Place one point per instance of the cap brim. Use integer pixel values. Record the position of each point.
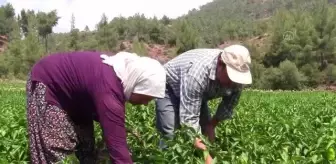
(239, 77)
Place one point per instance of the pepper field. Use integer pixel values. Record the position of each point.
(267, 127)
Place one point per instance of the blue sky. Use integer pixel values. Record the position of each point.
(2, 1)
(88, 12)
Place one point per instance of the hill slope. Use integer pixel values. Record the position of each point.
(293, 43)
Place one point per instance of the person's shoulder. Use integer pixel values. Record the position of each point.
(201, 57)
(203, 54)
(87, 52)
(204, 50)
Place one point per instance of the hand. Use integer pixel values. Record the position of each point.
(199, 144)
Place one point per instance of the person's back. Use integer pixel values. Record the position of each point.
(180, 65)
(72, 78)
(67, 91)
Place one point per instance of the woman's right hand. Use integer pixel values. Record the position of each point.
(200, 145)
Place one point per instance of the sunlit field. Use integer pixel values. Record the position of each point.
(267, 127)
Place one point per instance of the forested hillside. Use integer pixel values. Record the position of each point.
(292, 41)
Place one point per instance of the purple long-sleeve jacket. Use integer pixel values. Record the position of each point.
(81, 84)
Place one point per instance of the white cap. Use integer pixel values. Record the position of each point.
(237, 59)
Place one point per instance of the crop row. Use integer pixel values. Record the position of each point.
(286, 127)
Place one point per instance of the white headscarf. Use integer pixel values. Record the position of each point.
(140, 75)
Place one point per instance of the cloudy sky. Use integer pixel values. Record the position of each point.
(88, 12)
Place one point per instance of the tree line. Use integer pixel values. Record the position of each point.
(298, 51)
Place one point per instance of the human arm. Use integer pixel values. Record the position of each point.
(111, 115)
(225, 108)
(190, 107)
(224, 111)
(190, 102)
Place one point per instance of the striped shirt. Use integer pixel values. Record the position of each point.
(192, 77)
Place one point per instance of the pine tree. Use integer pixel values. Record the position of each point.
(107, 36)
(74, 35)
(187, 37)
(24, 22)
(46, 21)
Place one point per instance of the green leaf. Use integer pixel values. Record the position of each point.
(314, 159)
(331, 154)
